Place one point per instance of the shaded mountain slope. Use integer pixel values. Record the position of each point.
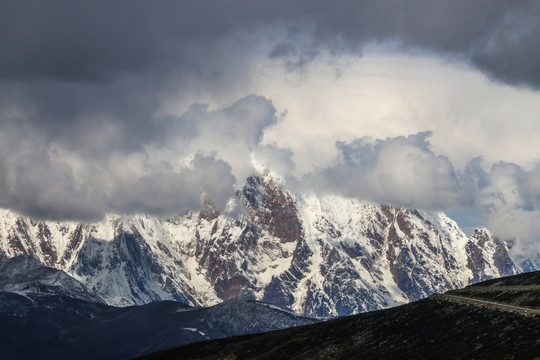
(44, 315)
(27, 276)
(436, 327)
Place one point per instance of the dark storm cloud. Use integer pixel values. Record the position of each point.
(163, 193)
(74, 65)
(70, 68)
(35, 184)
(93, 40)
(73, 113)
(97, 40)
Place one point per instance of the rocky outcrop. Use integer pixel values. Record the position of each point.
(488, 257)
(272, 208)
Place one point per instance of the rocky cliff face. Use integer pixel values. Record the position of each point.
(316, 255)
(487, 257)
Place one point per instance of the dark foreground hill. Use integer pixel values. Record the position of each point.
(449, 326)
(46, 314)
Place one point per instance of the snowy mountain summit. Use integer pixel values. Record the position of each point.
(319, 255)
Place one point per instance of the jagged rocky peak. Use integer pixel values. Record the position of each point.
(488, 256)
(271, 206)
(239, 258)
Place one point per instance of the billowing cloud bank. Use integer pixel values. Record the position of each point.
(406, 172)
(191, 156)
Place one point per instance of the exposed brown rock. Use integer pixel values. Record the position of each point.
(502, 259)
(273, 208)
(475, 255)
(403, 223)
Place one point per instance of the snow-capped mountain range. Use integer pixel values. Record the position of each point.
(320, 255)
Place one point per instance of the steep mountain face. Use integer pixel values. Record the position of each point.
(487, 257)
(46, 314)
(316, 255)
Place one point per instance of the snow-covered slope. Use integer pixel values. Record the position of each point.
(316, 255)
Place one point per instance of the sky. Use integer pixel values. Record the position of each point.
(152, 107)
